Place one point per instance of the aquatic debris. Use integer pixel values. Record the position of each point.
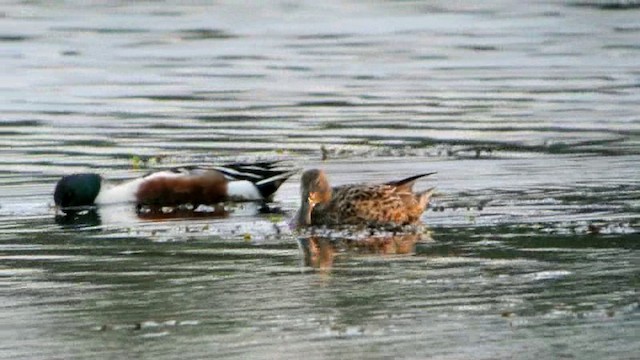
(136, 162)
(366, 148)
(275, 218)
(355, 232)
(147, 324)
(471, 218)
(141, 162)
(589, 228)
(470, 152)
(344, 331)
(324, 153)
(593, 229)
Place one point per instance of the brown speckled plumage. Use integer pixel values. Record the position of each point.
(392, 203)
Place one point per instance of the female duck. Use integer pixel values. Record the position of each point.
(393, 203)
(194, 185)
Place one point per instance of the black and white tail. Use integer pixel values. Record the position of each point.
(245, 178)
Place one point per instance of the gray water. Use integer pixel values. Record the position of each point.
(528, 112)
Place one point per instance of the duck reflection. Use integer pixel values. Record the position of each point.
(171, 213)
(320, 252)
(129, 215)
(77, 219)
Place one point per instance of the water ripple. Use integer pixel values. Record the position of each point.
(527, 113)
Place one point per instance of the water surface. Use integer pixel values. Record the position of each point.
(529, 114)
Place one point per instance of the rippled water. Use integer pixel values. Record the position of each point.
(529, 114)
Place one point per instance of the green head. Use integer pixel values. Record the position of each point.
(77, 190)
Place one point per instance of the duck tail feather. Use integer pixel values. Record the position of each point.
(267, 187)
(407, 183)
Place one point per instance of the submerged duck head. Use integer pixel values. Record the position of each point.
(77, 190)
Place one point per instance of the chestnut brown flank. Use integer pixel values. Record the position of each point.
(208, 188)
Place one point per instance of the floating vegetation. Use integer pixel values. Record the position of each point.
(361, 231)
(143, 162)
(591, 228)
(365, 149)
(147, 324)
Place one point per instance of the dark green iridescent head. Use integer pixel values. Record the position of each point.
(77, 190)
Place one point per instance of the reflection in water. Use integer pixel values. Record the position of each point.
(528, 113)
(154, 213)
(78, 219)
(320, 252)
(129, 214)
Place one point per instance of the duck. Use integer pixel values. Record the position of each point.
(194, 185)
(376, 205)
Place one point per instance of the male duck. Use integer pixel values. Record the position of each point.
(194, 185)
(393, 203)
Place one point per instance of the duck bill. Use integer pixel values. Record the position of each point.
(303, 217)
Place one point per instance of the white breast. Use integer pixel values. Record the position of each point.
(110, 194)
